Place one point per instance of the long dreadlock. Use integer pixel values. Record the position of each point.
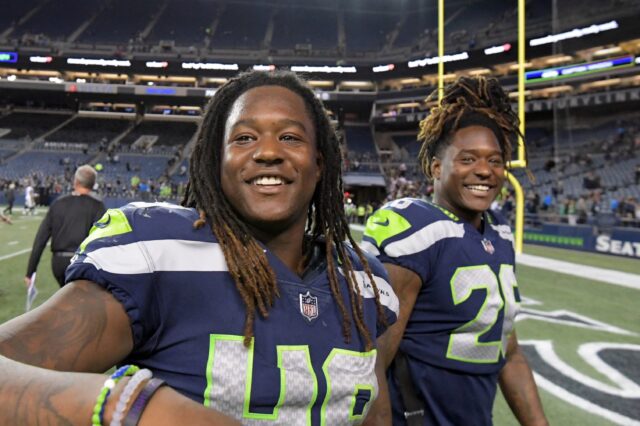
(466, 96)
(247, 262)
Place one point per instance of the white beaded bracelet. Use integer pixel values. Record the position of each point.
(136, 380)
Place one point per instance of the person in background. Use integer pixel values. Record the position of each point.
(29, 199)
(67, 223)
(452, 264)
(252, 299)
(10, 196)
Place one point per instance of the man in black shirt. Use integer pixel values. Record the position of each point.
(67, 222)
(10, 196)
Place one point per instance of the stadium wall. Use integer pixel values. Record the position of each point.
(617, 241)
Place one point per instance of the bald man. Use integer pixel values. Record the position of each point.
(67, 223)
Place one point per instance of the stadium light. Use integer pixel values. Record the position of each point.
(156, 64)
(383, 68)
(608, 51)
(40, 59)
(436, 60)
(264, 67)
(497, 49)
(479, 71)
(558, 59)
(356, 84)
(209, 66)
(575, 33)
(323, 69)
(321, 83)
(99, 62)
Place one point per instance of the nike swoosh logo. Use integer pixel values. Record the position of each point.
(103, 224)
(385, 223)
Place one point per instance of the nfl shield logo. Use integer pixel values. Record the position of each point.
(309, 306)
(488, 247)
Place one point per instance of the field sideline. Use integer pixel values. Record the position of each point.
(582, 335)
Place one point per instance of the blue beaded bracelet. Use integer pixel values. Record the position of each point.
(110, 383)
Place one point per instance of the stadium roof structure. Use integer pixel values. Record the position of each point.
(372, 39)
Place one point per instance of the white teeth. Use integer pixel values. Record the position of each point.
(483, 188)
(268, 180)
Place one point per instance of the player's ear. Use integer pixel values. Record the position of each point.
(435, 167)
(320, 164)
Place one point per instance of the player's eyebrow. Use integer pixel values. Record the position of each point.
(476, 151)
(283, 122)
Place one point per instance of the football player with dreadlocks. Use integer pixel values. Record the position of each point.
(251, 299)
(451, 263)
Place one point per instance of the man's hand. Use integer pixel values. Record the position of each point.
(27, 281)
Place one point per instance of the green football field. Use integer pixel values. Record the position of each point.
(582, 336)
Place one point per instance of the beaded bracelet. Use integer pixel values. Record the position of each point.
(140, 403)
(127, 393)
(110, 383)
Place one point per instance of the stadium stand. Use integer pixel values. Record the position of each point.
(30, 125)
(250, 35)
(184, 25)
(368, 31)
(297, 29)
(89, 130)
(132, 19)
(167, 136)
(54, 20)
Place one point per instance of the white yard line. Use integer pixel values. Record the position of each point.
(12, 243)
(582, 403)
(609, 276)
(17, 253)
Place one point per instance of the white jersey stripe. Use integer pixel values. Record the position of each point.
(159, 255)
(504, 231)
(425, 238)
(183, 255)
(168, 206)
(387, 297)
(369, 248)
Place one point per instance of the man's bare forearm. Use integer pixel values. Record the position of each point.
(35, 396)
(519, 387)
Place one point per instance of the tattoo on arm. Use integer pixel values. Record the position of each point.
(67, 333)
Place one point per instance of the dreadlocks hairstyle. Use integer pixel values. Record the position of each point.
(247, 262)
(476, 100)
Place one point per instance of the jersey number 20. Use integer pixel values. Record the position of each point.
(464, 344)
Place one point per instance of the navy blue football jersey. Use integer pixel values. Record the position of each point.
(457, 333)
(187, 319)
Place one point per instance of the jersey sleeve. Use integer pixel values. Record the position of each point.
(396, 234)
(388, 299)
(113, 257)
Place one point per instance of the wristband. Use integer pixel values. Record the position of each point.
(133, 385)
(140, 403)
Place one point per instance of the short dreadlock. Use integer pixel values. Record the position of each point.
(247, 262)
(466, 96)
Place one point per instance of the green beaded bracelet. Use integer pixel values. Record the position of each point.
(110, 383)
